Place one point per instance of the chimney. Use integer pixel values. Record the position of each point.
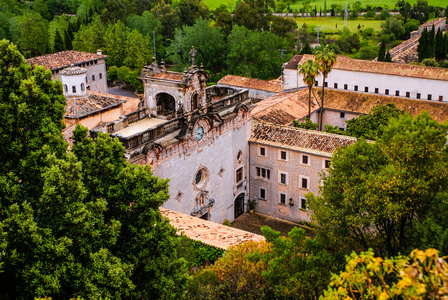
(98, 52)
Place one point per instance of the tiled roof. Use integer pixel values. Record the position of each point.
(207, 232)
(73, 71)
(90, 104)
(432, 22)
(63, 59)
(311, 141)
(170, 75)
(284, 108)
(363, 103)
(252, 83)
(293, 63)
(368, 66)
(129, 104)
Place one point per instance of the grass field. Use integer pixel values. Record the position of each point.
(329, 24)
(213, 4)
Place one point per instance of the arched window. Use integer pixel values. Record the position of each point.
(82, 87)
(65, 88)
(74, 89)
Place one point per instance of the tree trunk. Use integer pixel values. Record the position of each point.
(309, 103)
(322, 107)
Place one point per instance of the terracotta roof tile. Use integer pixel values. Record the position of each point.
(363, 103)
(63, 59)
(284, 108)
(293, 63)
(252, 83)
(207, 232)
(369, 66)
(170, 75)
(90, 104)
(310, 141)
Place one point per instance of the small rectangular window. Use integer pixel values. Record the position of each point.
(316, 83)
(74, 89)
(263, 173)
(377, 90)
(262, 193)
(366, 89)
(93, 77)
(386, 91)
(304, 183)
(419, 96)
(342, 115)
(326, 84)
(262, 151)
(282, 178)
(327, 164)
(305, 160)
(356, 88)
(341, 128)
(239, 175)
(100, 76)
(258, 172)
(268, 174)
(282, 198)
(345, 86)
(429, 97)
(440, 98)
(408, 94)
(397, 93)
(303, 203)
(283, 155)
(335, 85)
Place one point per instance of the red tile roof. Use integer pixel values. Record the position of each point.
(207, 232)
(368, 66)
(170, 75)
(284, 108)
(363, 103)
(92, 103)
(252, 83)
(310, 141)
(63, 59)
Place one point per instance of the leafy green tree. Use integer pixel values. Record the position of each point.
(393, 25)
(247, 16)
(90, 37)
(138, 50)
(190, 11)
(80, 222)
(326, 59)
(382, 51)
(30, 33)
(422, 45)
(405, 9)
(248, 50)
(306, 124)
(371, 126)
(388, 57)
(376, 193)
(306, 49)
(440, 49)
(168, 17)
(309, 70)
(147, 24)
(206, 39)
(115, 43)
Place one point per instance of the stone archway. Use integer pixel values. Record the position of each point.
(239, 205)
(166, 105)
(194, 101)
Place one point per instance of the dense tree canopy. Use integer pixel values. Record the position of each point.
(80, 222)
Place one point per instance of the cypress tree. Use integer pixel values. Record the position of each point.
(382, 52)
(388, 57)
(59, 44)
(68, 40)
(430, 42)
(439, 50)
(306, 49)
(445, 48)
(421, 48)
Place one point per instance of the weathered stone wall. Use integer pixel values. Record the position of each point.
(334, 118)
(253, 93)
(294, 170)
(217, 155)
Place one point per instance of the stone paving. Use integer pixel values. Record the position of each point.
(254, 222)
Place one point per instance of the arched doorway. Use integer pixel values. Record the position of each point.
(165, 104)
(194, 102)
(239, 205)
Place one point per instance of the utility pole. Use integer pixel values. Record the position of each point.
(345, 15)
(318, 30)
(154, 39)
(281, 51)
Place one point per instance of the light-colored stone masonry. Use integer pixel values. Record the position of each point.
(294, 169)
(94, 69)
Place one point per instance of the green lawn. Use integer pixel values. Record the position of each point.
(329, 24)
(213, 4)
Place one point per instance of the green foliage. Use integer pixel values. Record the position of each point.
(422, 275)
(393, 26)
(382, 52)
(334, 129)
(326, 59)
(196, 254)
(371, 126)
(309, 70)
(80, 222)
(375, 193)
(30, 32)
(227, 223)
(306, 124)
(388, 57)
(206, 39)
(168, 17)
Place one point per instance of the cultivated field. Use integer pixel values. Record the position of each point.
(329, 24)
(213, 4)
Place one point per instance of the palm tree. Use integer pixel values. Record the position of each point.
(326, 59)
(309, 70)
